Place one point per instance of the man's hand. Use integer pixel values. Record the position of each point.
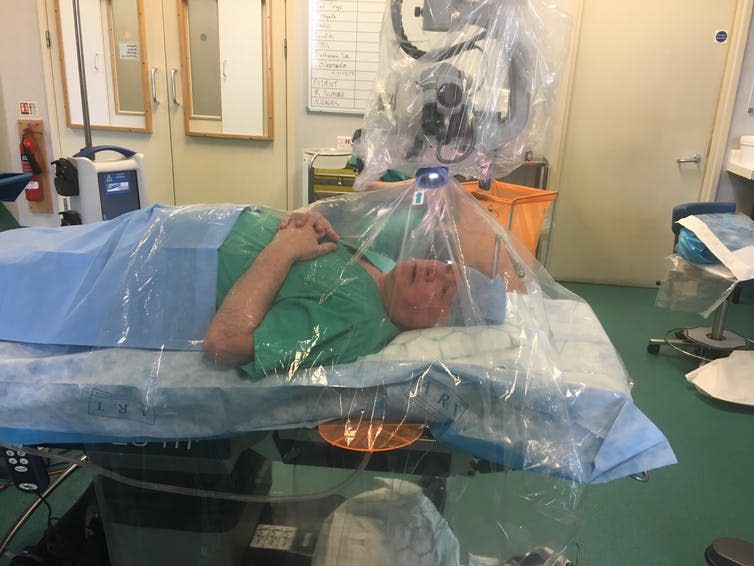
(302, 233)
(321, 225)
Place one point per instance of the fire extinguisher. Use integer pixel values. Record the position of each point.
(29, 164)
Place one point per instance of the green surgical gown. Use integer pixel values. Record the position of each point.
(328, 311)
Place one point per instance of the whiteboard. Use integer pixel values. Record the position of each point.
(344, 41)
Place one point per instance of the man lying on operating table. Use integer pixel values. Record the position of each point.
(290, 294)
(294, 296)
(267, 317)
(514, 379)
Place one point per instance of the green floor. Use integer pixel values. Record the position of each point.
(710, 492)
(668, 520)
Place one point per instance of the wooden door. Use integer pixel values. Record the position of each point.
(645, 92)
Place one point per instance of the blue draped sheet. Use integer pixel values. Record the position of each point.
(75, 286)
(53, 394)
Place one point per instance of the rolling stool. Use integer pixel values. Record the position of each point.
(714, 340)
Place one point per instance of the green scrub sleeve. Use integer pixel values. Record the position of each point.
(297, 334)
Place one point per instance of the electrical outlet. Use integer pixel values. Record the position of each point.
(344, 142)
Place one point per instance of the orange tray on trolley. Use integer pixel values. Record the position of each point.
(522, 210)
(371, 436)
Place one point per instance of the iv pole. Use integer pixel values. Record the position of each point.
(82, 76)
(88, 151)
(69, 216)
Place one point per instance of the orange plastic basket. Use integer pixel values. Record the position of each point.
(522, 210)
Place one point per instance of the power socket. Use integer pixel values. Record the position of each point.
(343, 142)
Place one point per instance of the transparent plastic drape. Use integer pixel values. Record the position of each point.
(454, 425)
(388, 376)
(469, 85)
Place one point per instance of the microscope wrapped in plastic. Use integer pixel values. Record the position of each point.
(473, 90)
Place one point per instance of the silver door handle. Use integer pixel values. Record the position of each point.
(174, 88)
(154, 85)
(696, 158)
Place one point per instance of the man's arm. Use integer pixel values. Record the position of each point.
(229, 338)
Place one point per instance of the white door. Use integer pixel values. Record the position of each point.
(645, 91)
(240, 77)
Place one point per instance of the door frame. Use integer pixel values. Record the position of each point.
(723, 115)
(727, 100)
(45, 37)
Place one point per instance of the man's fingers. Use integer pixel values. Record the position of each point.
(332, 234)
(323, 225)
(326, 248)
(295, 219)
(319, 224)
(324, 230)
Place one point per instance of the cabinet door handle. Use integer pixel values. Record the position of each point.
(153, 84)
(173, 87)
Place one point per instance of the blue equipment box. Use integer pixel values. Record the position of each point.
(11, 185)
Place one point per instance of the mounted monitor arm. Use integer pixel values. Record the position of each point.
(504, 129)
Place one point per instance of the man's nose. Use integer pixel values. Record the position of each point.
(431, 272)
(452, 273)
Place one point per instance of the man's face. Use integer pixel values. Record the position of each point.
(418, 293)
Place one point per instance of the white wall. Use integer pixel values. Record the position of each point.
(731, 187)
(21, 69)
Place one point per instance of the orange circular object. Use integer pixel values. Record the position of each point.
(370, 436)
